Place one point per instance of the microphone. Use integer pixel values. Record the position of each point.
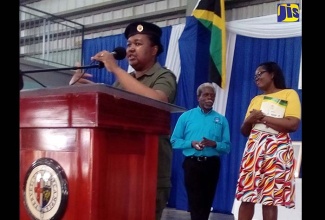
(119, 53)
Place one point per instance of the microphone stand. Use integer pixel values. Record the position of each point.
(99, 65)
(22, 73)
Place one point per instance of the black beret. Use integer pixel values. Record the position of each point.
(142, 27)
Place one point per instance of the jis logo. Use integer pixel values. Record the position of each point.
(288, 12)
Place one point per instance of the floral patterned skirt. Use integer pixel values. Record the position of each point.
(266, 172)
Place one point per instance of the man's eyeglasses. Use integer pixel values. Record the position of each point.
(258, 74)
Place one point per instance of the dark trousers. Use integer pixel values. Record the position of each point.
(161, 200)
(201, 176)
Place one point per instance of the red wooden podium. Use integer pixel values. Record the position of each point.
(89, 152)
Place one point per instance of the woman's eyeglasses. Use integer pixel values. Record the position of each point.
(258, 74)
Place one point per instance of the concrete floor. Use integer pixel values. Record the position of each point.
(173, 214)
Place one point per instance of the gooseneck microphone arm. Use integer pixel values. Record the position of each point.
(99, 65)
(119, 53)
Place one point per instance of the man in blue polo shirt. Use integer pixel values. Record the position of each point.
(204, 136)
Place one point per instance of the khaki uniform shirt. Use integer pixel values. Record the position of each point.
(160, 78)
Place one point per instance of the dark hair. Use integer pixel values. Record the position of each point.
(278, 77)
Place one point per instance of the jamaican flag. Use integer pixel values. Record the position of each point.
(211, 13)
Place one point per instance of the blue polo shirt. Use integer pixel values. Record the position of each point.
(193, 125)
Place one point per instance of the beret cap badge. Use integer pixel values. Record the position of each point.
(139, 28)
(147, 28)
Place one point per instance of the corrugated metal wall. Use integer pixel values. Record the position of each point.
(256, 10)
(44, 37)
(109, 17)
(106, 17)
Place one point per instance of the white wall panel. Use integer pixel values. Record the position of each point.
(63, 5)
(138, 10)
(38, 5)
(117, 31)
(53, 7)
(162, 5)
(59, 6)
(161, 23)
(79, 20)
(80, 3)
(107, 16)
(92, 2)
(98, 18)
(150, 7)
(105, 33)
(174, 3)
(127, 12)
(183, 2)
(117, 14)
(95, 35)
(88, 20)
(164, 23)
(175, 21)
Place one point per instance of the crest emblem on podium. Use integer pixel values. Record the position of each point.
(45, 190)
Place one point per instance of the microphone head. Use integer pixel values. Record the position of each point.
(119, 53)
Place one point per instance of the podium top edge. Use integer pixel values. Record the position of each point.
(101, 88)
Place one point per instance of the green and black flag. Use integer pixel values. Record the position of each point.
(211, 13)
